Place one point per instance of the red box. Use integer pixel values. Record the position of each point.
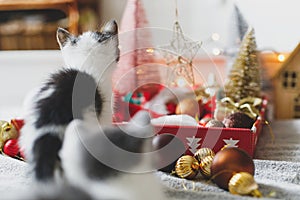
(198, 137)
(216, 138)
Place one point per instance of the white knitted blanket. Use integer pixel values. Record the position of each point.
(277, 170)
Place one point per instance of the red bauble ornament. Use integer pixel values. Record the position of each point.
(11, 148)
(168, 156)
(229, 161)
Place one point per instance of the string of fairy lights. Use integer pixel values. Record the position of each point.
(218, 51)
(175, 57)
(217, 47)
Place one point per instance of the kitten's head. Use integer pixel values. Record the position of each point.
(90, 48)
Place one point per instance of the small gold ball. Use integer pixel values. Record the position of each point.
(7, 132)
(203, 152)
(243, 183)
(205, 165)
(187, 167)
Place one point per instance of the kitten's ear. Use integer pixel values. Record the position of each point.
(110, 27)
(62, 37)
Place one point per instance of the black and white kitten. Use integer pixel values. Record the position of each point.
(81, 90)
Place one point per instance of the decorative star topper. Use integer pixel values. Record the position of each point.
(179, 56)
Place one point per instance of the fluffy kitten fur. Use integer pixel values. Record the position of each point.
(81, 90)
(62, 124)
(96, 170)
(107, 172)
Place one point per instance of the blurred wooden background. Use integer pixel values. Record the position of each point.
(32, 24)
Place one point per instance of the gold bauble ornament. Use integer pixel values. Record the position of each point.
(243, 183)
(205, 165)
(203, 152)
(187, 167)
(189, 106)
(7, 132)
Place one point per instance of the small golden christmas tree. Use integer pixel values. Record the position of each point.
(244, 77)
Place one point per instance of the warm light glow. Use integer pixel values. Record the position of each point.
(280, 57)
(216, 51)
(181, 82)
(215, 36)
(149, 50)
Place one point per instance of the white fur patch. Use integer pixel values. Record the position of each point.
(127, 186)
(98, 60)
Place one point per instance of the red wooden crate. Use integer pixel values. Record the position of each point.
(216, 138)
(198, 137)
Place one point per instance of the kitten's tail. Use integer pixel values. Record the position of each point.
(45, 153)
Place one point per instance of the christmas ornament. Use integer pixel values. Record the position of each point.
(11, 147)
(179, 56)
(203, 152)
(190, 107)
(229, 161)
(244, 77)
(18, 123)
(187, 167)
(238, 120)
(7, 131)
(243, 183)
(175, 150)
(215, 123)
(205, 166)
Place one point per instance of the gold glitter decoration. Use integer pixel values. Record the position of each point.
(244, 78)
